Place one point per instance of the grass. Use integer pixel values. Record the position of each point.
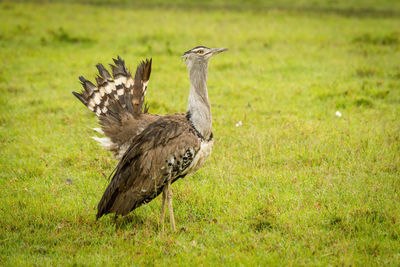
(294, 185)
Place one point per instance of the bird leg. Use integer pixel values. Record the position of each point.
(116, 221)
(164, 202)
(171, 210)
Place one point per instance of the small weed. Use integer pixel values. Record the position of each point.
(43, 41)
(370, 216)
(23, 29)
(397, 76)
(262, 220)
(381, 94)
(389, 39)
(328, 96)
(15, 90)
(36, 102)
(267, 45)
(62, 36)
(341, 104)
(67, 162)
(168, 48)
(366, 72)
(363, 102)
(335, 220)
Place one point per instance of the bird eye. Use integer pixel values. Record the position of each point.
(200, 52)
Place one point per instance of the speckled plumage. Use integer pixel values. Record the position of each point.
(154, 150)
(163, 151)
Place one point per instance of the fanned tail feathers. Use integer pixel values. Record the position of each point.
(142, 77)
(118, 93)
(118, 102)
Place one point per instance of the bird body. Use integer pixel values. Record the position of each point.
(168, 149)
(154, 150)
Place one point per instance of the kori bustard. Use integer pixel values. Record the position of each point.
(154, 150)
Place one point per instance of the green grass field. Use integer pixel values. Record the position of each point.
(294, 185)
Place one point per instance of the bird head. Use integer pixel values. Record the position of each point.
(200, 54)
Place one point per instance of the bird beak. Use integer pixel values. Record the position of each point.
(215, 51)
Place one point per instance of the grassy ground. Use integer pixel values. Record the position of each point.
(294, 185)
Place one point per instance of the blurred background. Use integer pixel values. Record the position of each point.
(306, 103)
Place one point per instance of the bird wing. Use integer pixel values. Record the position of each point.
(118, 102)
(163, 151)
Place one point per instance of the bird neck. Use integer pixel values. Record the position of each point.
(198, 103)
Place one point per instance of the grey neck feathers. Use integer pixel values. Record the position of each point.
(198, 103)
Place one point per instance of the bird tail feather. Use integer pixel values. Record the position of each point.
(118, 101)
(117, 93)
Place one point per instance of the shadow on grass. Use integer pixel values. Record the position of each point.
(136, 221)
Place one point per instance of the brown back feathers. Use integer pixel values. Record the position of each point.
(163, 151)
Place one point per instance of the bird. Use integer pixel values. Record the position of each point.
(154, 151)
